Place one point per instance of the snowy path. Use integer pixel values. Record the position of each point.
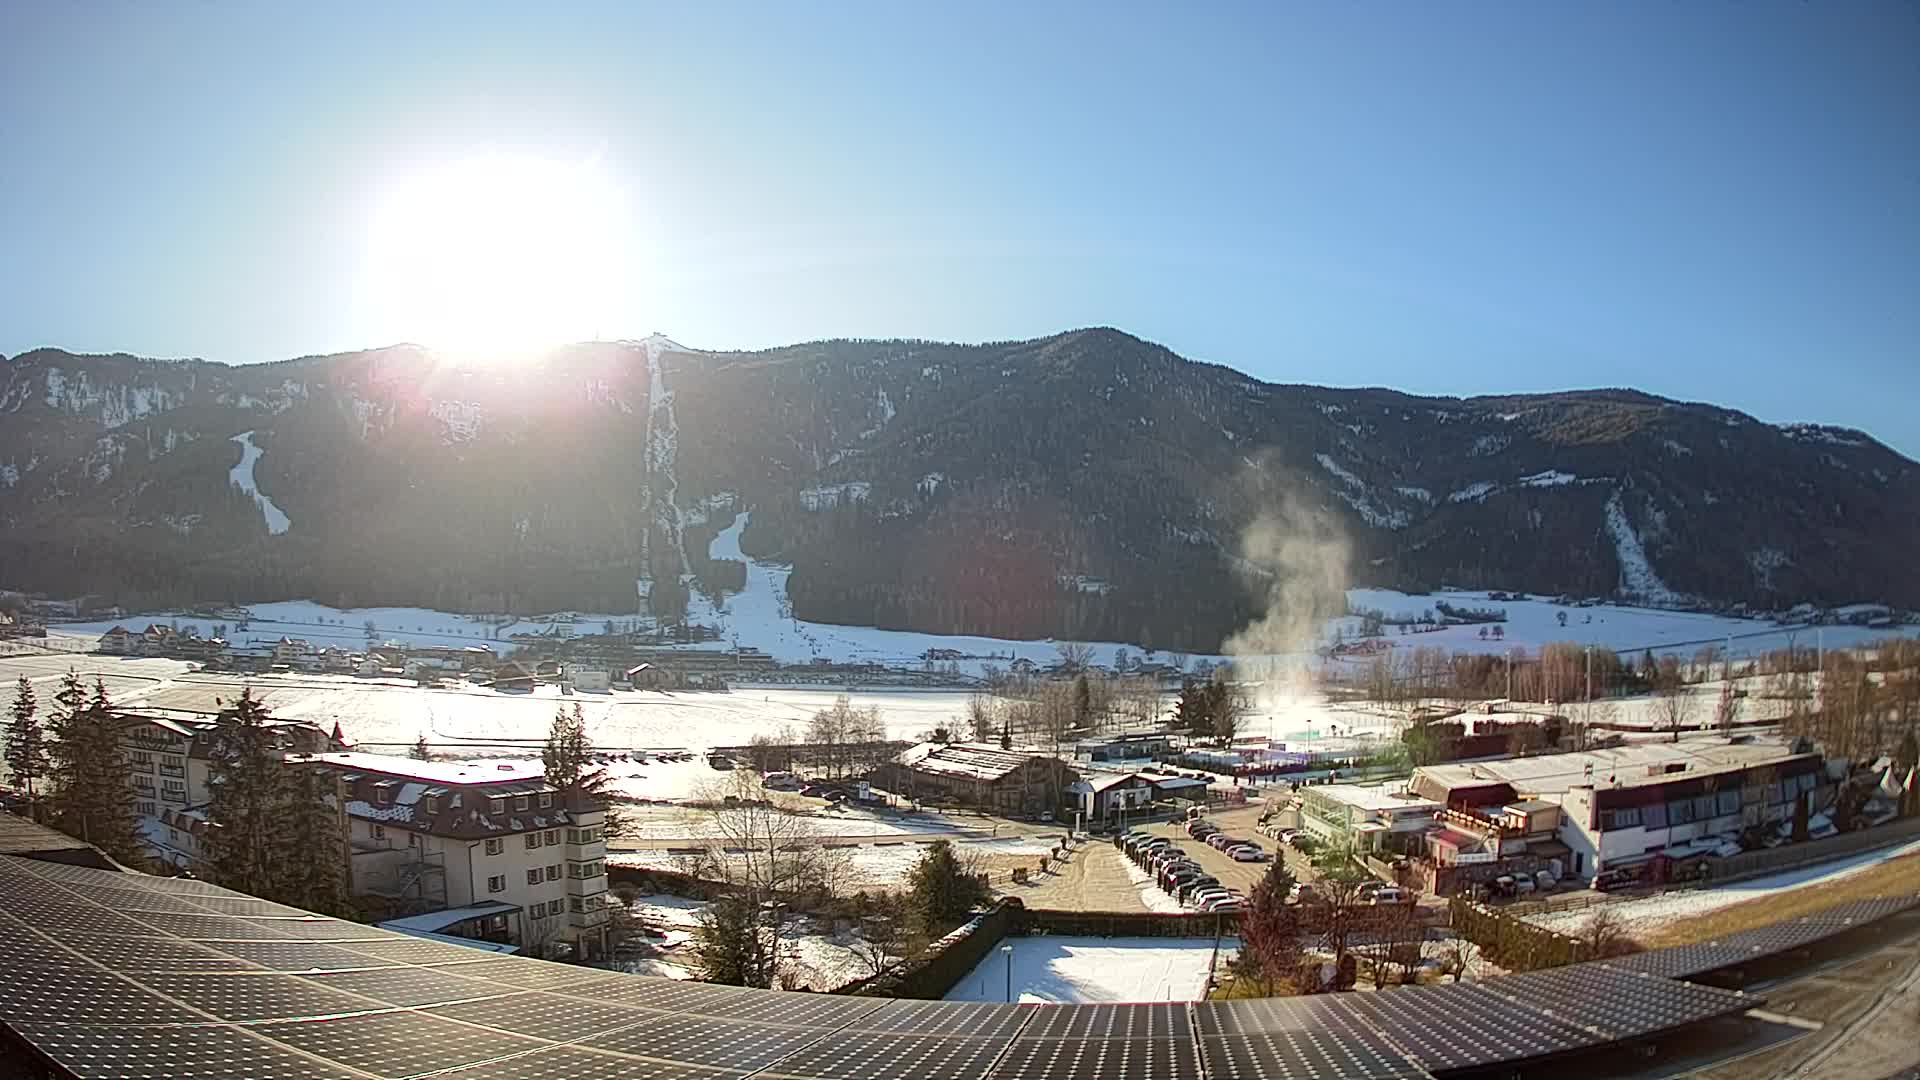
(241, 476)
(1642, 915)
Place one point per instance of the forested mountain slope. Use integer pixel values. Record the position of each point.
(1088, 484)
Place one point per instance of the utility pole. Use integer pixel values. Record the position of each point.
(1587, 712)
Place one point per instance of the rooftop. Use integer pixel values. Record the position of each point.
(437, 772)
(977, 761)
(20, 836)
(1618, 766)
(434, 921)
(1371, 797)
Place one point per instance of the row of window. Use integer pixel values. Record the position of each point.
(1701, 807)
(498, 845)
(534, 839)
(546, 873)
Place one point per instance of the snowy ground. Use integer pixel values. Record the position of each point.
(881, 863)
(1070, 970)
(1150, 894)
(1645, 914)
(822, 956)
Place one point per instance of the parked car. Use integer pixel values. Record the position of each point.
(1247, 853)
(1608, 880)
(1187, 888)
(1198, 898)
(1220, 904)
(1170, 882)
(1392, 894)
(1221, 841)
(1303, 893)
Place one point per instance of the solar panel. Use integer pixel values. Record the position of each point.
(82, 996)
(170, 1053)
(577, 1063)
(1616, 1004)
(407, 986)
(298, 955)
(250, 995)
(146, 953)
(1109, 1059)
(1462, 1025)
(549, 1016)
(1108, 1022)
(1305, 1055)
(397, 1043)
(702, 1040)
(950, 1018)
(1681, 961)
(412, 950)
(880, 1056)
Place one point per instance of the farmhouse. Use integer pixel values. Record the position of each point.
(981, 775)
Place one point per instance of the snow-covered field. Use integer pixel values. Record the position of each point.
(822, 957)
(1532, 623)
(241, 476)
(874, 863)
(1070, 970)
(1645, 914)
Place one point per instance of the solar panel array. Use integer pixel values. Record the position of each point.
(1764, 942)
(131, 976)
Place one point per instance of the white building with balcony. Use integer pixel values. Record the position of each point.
(494, 851)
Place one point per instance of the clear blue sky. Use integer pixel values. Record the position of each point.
(1706, 200)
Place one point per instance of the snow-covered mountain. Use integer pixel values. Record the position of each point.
(1087, 485)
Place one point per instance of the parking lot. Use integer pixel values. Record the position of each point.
(1240, 877)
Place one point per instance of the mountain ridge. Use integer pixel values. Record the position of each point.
(1085, 484)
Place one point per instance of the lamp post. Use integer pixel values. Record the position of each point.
(1007, 951)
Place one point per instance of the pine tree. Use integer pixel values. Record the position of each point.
(939, 891)
(311, 863)
(26, 753)
(243, 765)
(1082, 701)
(420, 751)
(1270, 934)
(569, 767)
(90, 800)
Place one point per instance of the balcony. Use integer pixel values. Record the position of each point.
(140, 767)
(173, 770)
(596, 917)
(178, 798)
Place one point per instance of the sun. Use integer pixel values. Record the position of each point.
(496, 255)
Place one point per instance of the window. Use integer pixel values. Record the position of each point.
(431, 804)
(521, 803)
(591, 869)
(494, 847)
(498, 806)
(146, 808)
(379, 832)
(537, 911)
(553, 872)
(383, 794)
(533, 840)
(497, 883)
(546, 800)
(577, 903)
(553, 836)
(533, 876)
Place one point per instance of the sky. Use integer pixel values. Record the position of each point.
(1707, 200)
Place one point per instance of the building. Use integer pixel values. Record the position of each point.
(981, 775)
(1625, 806)
(587, 675)
(1365, 817)
(118, 642)
(474, 841)
(167, 771)
(1131, 747)
(1106, 798)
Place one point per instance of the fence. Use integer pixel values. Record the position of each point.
(1119, 924)
(1510, 941)
(946, 962)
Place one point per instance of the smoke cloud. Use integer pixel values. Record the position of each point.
(1297, 554)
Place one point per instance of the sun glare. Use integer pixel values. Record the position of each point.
(494, 256)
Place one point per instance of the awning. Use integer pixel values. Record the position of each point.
(439, 920)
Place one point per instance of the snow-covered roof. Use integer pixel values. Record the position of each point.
(976, 761)
(437, 772)
(1371, 797)
(1631, 765)
(439, 920)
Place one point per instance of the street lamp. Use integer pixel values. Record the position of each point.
(1007, 951)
